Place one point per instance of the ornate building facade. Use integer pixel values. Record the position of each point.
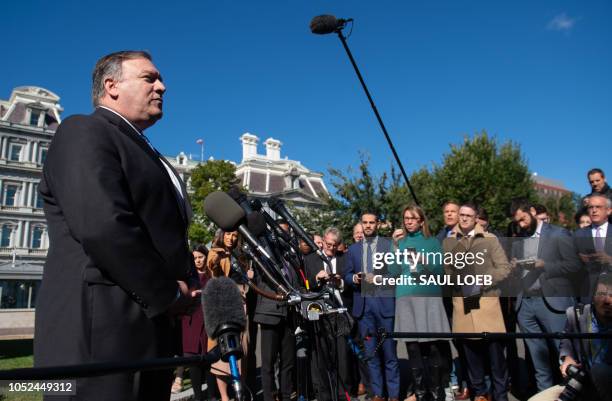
(269, 175)
(28, 120)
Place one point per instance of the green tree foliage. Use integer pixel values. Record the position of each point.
(561, 210)
(478, 170)
(213, 175)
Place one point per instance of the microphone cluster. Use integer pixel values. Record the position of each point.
(273, 251)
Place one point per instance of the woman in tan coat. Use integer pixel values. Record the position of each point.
(218, 263)
(476, 307)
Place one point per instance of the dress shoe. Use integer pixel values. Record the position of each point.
(393, 399)
(378, 398)
(482, 398)
(462, 394)
(361, 389)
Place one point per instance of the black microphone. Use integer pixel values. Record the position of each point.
(278, 206)
(225, 319)
(236, 194)
(324, 24)
(229, 216)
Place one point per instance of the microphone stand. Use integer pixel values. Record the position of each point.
(378, 117)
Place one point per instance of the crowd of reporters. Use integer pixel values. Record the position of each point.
(564, 284)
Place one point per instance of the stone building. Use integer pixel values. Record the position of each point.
(270, 175)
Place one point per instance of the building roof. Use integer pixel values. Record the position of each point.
(270, 175)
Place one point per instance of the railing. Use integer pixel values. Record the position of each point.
(111, 367)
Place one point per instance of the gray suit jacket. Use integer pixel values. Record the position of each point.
(561, 265)
(583, 242)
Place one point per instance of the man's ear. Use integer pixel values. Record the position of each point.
(532, 211)
(110, 87)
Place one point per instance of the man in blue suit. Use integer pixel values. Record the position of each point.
(594, 244)
(373, 308)
(549, 265)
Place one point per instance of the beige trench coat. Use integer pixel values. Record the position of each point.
(489, 316)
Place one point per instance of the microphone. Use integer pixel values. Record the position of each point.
(324, 24)
(240, 198)
(225, 319)
(229, 216)
(278, 206)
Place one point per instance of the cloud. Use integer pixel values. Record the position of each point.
(561, 22)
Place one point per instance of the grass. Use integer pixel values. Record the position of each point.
(16, 354)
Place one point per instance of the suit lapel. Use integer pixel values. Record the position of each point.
(542, 240)
(126, 129)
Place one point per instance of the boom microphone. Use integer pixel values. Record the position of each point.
(324, 24)
(225, 319)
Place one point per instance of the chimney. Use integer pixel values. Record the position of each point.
(249, 145)
(273, 147)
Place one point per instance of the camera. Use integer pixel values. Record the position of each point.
(576, 380)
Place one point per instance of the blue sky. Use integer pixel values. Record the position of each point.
(537, 73)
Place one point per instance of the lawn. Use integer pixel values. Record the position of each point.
(16, 354)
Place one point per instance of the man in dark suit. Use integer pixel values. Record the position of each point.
(117, 214)
(549, 266)
(318, 273)
(594, 244)
(278, 340)
(373, 308)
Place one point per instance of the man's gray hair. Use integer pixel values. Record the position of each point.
(333, 231)
(109, 66)
(608, 200)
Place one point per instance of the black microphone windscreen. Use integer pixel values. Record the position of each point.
(222, 304)
(236, 194)
(256, 223)
(323, 24)
(223, 211)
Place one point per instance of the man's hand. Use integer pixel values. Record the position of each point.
(250, 274)
(585, 257)
(322, 275)
(186, 303)
(601, 258)
(539, 264)
(357, 278)
(567, 361)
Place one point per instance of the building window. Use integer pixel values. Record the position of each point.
(36, 240)
(6, 236)
(38, 199)
(10, 194)
(15, 151)
(34, 117)
(18, 294)
(43, 155)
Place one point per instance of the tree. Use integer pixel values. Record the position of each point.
(478, 170)
(561, 210)
(213, 175)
